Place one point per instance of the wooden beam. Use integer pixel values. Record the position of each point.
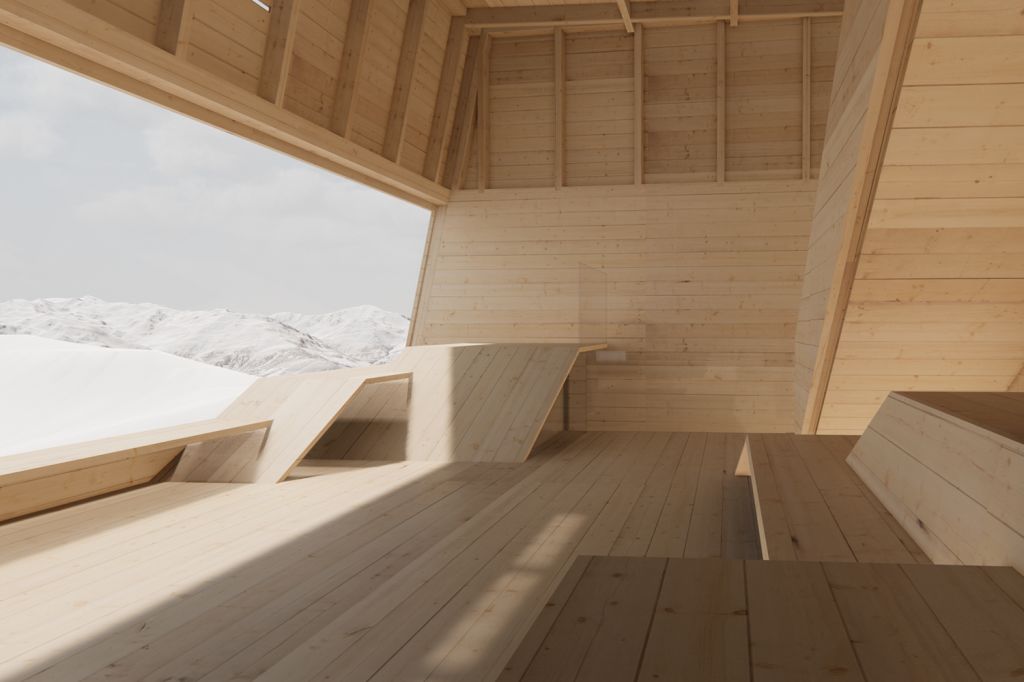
(465, 109)
(559, 108)
(891, 64)
(57, 32)
(277, 56)
(453, 57)
(173, 26)
(483, 115)
(399, 111)
(661, 13)
(348, 73)
(805, 136)
(638, 105)
(720, 102)
(624, 11)
(734, 12)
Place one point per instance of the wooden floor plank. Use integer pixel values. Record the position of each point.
(699, 631)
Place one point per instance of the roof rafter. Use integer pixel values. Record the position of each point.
(662, 13)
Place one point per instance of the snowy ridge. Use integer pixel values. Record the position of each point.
(262, 345)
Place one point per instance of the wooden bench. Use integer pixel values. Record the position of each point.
(811, 506)
(950, 469)
(634, 618)
(36, 481)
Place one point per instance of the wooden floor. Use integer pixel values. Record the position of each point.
(620, 618)
(402, 570)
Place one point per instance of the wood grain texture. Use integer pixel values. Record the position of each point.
(696, 284)
(479, 403)
(938, 297)
(758, 621)
(36, 481)
(810, 507)
(409, 569)
(949, 468)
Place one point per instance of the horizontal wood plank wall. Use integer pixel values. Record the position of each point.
(522, 111)
(854, 75)
(938, 299)
(227, 38)
(703, 282)
(138, 17)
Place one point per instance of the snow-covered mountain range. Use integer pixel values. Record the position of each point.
(262, 345)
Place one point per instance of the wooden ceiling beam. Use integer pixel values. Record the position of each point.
(458, 145)
(398, 113)
(624, 11)
(277, 56)
(661, 13)
(58, 32)
(453, 56)
(348, 72)
(173, 26)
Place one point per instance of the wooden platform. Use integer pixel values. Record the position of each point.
(401, 570)
(302, 407)
(45, 479)
(950, 467)
(627, 618)
(466, 403)
(811, 506)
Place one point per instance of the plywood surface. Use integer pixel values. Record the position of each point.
(648, 619)
(414, 570)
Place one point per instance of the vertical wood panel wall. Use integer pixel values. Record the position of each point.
(703, 282)
(760, 104)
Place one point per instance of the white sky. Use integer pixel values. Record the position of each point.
(106, 195)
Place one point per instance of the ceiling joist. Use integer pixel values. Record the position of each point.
(661, 13)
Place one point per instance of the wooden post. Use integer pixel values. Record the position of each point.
(348, 74)
(453, 57)
(734, 12)
(458, 145)
(559, 108)
(173, 26)
(720, 102)
(638, 105)
(806, 101)
(277, 55)
(483, 115)
(399, 110)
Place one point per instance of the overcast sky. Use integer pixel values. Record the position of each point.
(106, 195)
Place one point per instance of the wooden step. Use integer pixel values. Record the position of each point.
(950, 468)
(811, 506)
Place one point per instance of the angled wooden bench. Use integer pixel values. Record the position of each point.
(950, 468)
(811, 506)
(36, 481)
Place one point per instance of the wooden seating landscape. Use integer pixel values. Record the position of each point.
(44, 479)
(950, 468)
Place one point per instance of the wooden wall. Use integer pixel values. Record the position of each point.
(938, 298)
(702, 286)
(861, 67)
(708, 101)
